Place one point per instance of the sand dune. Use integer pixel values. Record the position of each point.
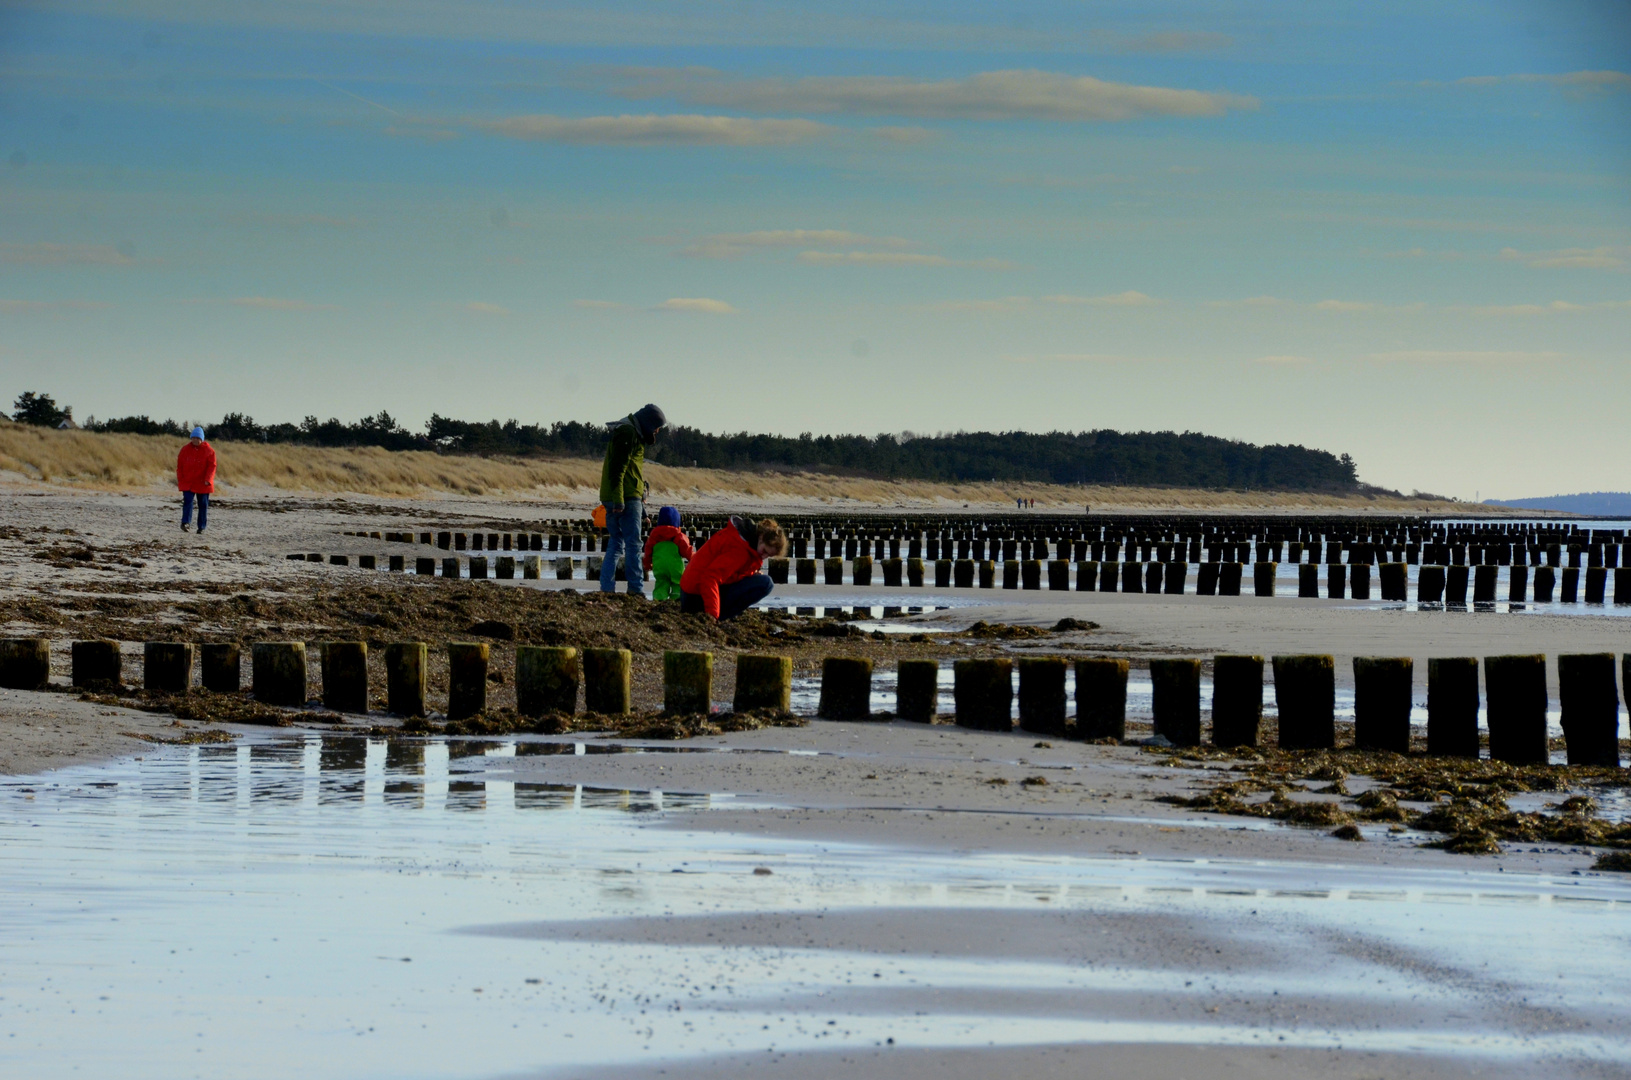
(31, 455)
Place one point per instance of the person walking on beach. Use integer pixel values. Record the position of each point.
(622, 490)
(723, 578)
(195, 476)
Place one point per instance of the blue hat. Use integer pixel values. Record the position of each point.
(198, 433)
(668, 516)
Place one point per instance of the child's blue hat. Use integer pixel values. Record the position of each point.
(198, 433)
(668, 516)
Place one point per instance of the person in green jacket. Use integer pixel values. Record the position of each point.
(622, 490)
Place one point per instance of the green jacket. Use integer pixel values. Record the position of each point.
(622, 477)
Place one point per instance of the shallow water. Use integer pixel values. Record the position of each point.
(338, 907)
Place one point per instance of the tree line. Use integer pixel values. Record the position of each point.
(1137, 459)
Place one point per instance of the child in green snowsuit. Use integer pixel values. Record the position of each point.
(667, 551)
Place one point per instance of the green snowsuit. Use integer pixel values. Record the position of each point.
(666, 551)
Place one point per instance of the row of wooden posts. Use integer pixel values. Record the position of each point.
(1434, 584)
(547, 680)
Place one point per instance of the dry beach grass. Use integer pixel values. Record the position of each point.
(130, 462)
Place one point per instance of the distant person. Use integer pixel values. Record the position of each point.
(667, 550)
(195, 476)
(622, 490)
(723, 577)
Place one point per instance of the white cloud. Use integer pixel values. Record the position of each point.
(990, 95)
(1464, 357)
(1169, 41)
(1130, 298)
(678, 130)
(734, 245)
(697, 304)
(897, 258)
(481, 307)
(1598, 258)
(48, 254)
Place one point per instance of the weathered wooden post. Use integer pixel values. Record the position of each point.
(984, 691)
(1382, 689)
(1305, 692)
(546, 680)
(1237, 700)
(1101, 698)
(763, 682)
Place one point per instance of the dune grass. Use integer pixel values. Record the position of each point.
(32, 455)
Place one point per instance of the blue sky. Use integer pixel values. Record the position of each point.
(1397, 230)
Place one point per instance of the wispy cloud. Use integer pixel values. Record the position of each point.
(1283, 361)
(1597, 81)
(699, 304)
(1464, 357)
(897, 258)
(49, 254)
(655, 130)
(1006, 305)
(735, 245)
(1556, 307)
(1344, 305)
(1166, 41)
(1130, 298)
(482, 307)
(990, 95)
(1598, 258)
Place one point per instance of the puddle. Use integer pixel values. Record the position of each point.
(340, 907)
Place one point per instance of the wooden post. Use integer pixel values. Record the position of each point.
(984, 691)
(1042, 694)
(606, 681)
(466, 678)
(405, 678)
(1382, 690)
(1101, 698)
(917, 690)
(1516, 698)
(1305, 692)
(1237, 700)
(846, 688)
(546, 680)
(345, 676)
(278, 672)
(763, 682)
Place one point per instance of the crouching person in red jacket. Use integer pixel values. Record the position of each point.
(723, 577)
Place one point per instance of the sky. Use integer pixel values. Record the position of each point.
(1399, 230)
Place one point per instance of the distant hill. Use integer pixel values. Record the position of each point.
(1594, 503)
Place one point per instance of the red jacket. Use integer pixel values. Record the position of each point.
(673, 536)
(195, 468)
(726, 557)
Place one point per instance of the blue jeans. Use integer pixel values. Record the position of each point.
(623, 532)
(734, 598)
(203, 498)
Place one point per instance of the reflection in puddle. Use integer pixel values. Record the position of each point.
(292, 907)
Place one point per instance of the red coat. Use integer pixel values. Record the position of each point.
(726, 557)
(195, 468)
(673, 536)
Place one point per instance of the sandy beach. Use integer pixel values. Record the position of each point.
(922, 800)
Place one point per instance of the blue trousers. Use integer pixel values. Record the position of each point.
(623, 534)
(734, 598)
(203, 498)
